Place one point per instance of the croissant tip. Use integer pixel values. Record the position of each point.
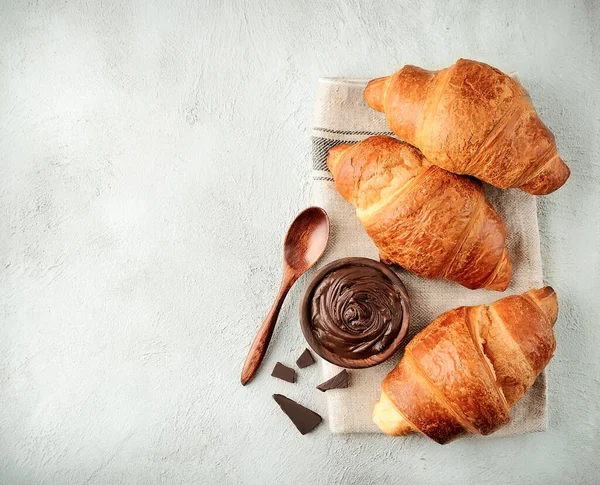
(544, 292)
(552, 178)
(501, 276)
(374, 92)
(334, 156)
(547, 299)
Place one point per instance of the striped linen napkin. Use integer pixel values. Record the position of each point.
(342, 116)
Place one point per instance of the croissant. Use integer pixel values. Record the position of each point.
(471, 119)
(433, 223)
(463, 372)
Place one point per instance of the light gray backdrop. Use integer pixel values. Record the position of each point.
(152, 155)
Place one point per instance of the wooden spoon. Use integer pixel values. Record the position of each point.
(304, 244)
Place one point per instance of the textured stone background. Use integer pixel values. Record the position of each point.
(152, 155)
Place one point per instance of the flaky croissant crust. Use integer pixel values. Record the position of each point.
(463, 372)
(425, 219)
(472, 119)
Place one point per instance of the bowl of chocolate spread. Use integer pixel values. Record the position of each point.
(355, 313)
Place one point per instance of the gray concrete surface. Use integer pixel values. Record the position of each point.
(151, 156)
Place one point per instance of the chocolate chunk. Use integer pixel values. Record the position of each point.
(305, 359)
(339, 381)
(304, 419)
(284, 373)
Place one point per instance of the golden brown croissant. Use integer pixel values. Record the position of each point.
(429, 221)
(463, 372)
(471, 119)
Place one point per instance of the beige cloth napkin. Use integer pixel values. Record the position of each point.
(342, 116)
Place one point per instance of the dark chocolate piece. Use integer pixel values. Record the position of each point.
(305, 359)
(284, 373)
(339, 381)
(303, 418)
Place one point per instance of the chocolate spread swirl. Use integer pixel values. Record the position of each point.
(356, 312)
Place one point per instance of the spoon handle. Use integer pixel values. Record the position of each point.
(263, 337)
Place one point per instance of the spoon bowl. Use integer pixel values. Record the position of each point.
(306, 239)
